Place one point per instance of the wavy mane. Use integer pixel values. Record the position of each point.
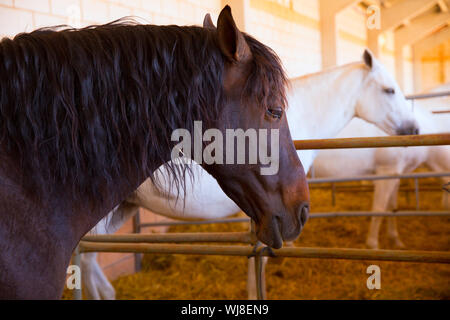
(81, 108)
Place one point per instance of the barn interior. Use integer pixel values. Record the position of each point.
(411, 38)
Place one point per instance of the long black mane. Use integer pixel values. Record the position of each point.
(80, 109)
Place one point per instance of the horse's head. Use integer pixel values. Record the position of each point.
(265, 178)
(382, 102)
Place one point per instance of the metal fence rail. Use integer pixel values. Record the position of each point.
(313, 215)
(379, 214)
(381, 177)
(440, 111)
(200, 222)
(240, 237)
(427, 95)
(374, 142)
(248, 251)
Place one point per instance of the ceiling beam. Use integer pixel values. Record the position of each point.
(339, 5)
(393, 16)
(443, 5)
(401, 11)
(420, 28)
(328, 33)
(432, 41)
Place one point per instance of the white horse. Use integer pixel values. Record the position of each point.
(320, 105)
(335, 163)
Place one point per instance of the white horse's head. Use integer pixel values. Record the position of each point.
(382, 102)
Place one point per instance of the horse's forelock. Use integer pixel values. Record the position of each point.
(267, 79)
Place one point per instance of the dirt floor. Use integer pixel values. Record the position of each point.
(217, 277)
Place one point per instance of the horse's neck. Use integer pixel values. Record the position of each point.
(322, 104)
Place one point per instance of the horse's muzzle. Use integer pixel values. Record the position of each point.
(408, 129)
(290, 233)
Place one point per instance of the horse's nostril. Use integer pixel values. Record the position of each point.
(407, 130)
(304, 214)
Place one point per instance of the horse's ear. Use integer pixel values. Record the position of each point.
(207, 22)
(368, 58)
(231, 41)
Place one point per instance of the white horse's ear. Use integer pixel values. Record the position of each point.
(368, 58)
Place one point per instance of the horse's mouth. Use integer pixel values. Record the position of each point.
(270, 235)
(274, 231)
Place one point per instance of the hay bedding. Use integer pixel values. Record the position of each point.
(217, 277)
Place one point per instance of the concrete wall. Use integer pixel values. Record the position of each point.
(25, 15)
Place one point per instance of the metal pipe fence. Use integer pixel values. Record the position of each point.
(381, 177)
(440, 111)
(316, 181)
(374, 142)
(313, 215)
(427, 95)
(139, 243)
(293, 252)
(240, 237)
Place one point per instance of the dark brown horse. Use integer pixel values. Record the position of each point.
(82, 109)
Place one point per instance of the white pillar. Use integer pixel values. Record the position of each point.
(328, 35)
(372, 41)
(399, 63)
(417, 69)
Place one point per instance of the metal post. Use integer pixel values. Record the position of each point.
(416, 188)
(255, 245)
(258, 276)
(333, 194)
(446, 194)
(259, 268)
(407, 196)
(253, 231)
(137, 229)
(76, 260)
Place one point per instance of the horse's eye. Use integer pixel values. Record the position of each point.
(276, 112)
(389, 90)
